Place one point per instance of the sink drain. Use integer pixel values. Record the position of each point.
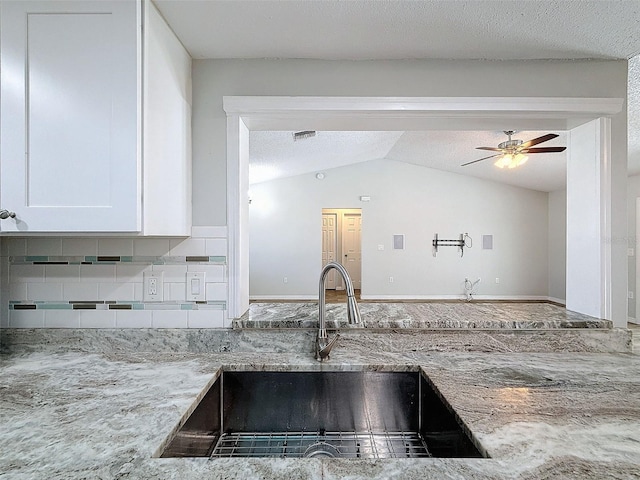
(321, 449)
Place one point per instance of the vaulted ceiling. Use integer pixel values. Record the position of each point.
(276, 155)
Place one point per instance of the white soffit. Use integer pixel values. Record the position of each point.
(417, 113)
(395, 29)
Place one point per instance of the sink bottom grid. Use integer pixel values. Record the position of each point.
(322, 444)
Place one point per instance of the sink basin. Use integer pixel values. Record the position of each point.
(345, 414)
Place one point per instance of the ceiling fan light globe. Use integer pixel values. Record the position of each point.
(498, 163)
(505, 160)
(521, 159)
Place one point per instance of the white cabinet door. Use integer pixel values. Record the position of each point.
(70, 113)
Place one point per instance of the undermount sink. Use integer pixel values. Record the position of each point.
(345, 414)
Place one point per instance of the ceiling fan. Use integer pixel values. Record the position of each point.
(512, 153)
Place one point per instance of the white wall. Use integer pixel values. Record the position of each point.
(212, 79)
(589, 237)
(285, 227)
(633, 193)
(557, 245)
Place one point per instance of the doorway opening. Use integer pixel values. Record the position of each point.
(587, 118)
(342, 243)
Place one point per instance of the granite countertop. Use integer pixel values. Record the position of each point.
(433, 315)
(103, 416)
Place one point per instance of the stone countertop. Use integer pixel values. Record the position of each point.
(426, 315)
(103, 416)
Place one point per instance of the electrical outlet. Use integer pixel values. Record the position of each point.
(153, 285)
(497, 280)
(390, 279)
(380, 247)
(630, 295)
(285, 280)
(196, 290)
(630, 252)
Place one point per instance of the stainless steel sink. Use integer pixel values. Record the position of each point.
(363, 414)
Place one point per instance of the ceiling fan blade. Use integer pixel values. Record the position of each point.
(492, 149)
(480, 159)
(543, 150)
(535, 141)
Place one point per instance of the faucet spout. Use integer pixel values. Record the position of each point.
(323, 345)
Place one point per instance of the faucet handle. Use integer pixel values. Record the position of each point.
(322, 351)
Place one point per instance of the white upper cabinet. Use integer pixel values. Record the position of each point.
(71, 130)
(167, 129)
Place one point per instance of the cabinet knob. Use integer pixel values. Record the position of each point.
(7, 214)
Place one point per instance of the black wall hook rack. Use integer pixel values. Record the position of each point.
(462, 242)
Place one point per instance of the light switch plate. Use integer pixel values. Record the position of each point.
(153, 285)
(196, 287)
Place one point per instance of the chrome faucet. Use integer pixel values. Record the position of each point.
(323, 345)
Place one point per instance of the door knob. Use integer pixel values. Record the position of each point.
(7, 214)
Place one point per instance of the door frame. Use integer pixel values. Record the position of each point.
(245, 113)
(342, 245)
(331, 282)
(339, 213)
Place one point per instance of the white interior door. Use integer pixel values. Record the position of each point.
(329, 244)
(351, 247)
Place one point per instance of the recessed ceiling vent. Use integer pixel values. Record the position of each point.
(304, 134)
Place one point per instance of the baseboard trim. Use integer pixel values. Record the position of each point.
(559, 301)
(492, 298)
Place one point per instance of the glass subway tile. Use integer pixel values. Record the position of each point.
(84, 306)
(24, 307)
(55, 306)
(108, 258)
(36, 258)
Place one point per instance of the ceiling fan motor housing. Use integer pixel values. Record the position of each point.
(510, 144)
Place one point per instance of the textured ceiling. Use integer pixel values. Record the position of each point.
(399, 29)
(276, 155)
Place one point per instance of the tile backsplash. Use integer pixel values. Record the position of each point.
(97, 282)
